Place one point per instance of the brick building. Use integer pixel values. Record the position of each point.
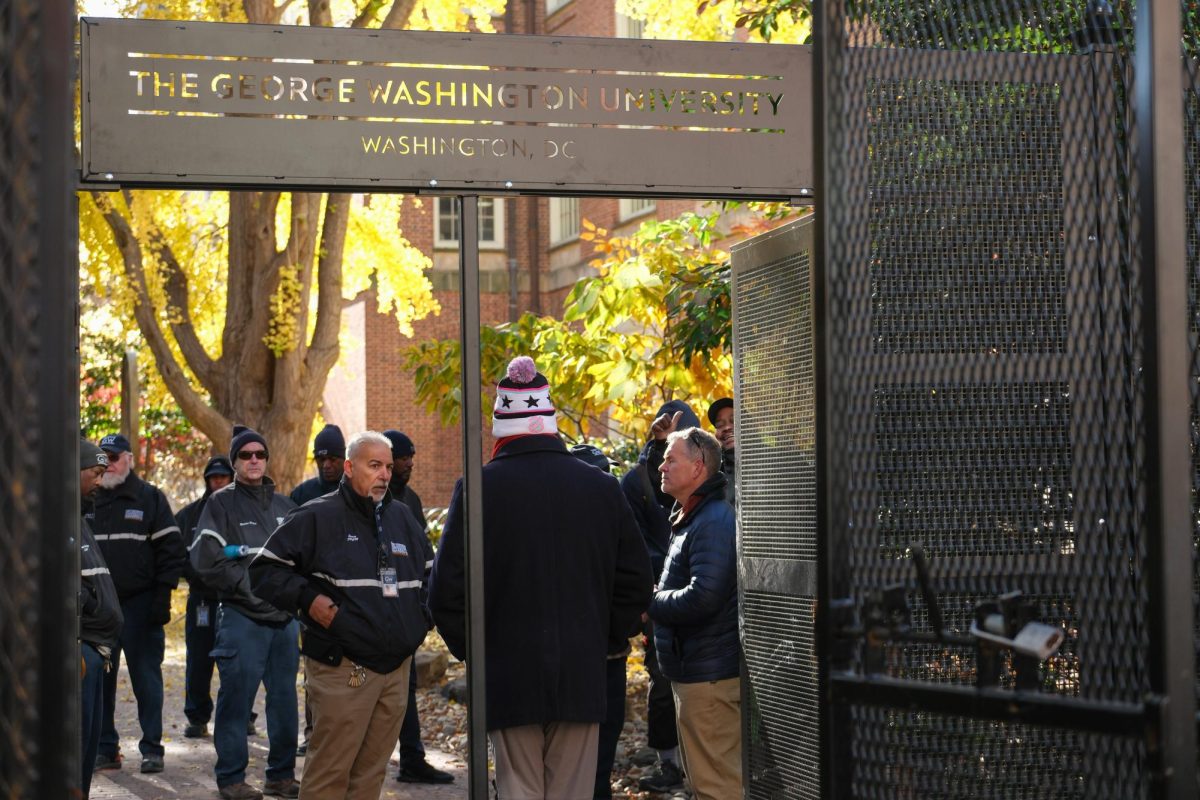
(530, 257)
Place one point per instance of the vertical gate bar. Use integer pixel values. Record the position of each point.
(1160, 173)
(468, 277)
(58, 427)
(828, 49)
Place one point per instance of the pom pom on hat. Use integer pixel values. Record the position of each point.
(522, 370)
(523, 405)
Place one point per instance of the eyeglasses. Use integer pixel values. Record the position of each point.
(247, 455)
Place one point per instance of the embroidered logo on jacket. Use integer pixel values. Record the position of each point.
(350, 537)
(134, 513)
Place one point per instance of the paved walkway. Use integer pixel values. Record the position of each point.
(189, 762)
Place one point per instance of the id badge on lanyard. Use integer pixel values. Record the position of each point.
(387, 577)
(203, 619)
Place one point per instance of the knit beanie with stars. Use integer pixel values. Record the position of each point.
(523, 404)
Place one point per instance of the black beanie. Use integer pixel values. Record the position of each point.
(243, 436)
(402, 446)
(329, 442)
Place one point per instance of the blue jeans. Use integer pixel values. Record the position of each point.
(247, 654)
(143, 645)
(197, 698)
(412, 751)
(611, 727)
(91, 712)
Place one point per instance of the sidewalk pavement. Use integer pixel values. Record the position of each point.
(188, 773)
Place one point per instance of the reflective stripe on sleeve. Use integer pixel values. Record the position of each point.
(164, 532)
(109, 537)
(213, 534)
(94, 571)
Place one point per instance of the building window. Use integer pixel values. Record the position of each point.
(628, 28)
(627, 208)
(491, 222)
(564, 219)
(554, 5)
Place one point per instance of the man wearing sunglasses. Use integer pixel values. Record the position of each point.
(256, 642)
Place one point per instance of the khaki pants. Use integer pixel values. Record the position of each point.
(354, 730)
(555, 761)
(710, 737)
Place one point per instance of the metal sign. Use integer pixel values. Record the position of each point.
(170, 103)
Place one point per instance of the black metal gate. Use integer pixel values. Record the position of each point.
(1001, 415)
(39, 410)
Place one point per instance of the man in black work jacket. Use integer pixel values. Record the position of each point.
(256, 642)
(99, 616)
(140, 541)
(351, 566)
(329, 451)
(200, 629)
(566, 575)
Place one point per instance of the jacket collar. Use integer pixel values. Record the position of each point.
(714, 487)
(364, 506)
(535, 443)
(128, 487)
(262, 494)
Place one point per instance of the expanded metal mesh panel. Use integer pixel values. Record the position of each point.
(19, 538)
(783, 718)
(776, 467)
(1191, 120)
(926, 756)
(777, 503)
(983, 399)
(977, 469)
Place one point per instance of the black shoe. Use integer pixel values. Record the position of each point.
(250, 729)
(152, 764)
(423, 772)
(195, 730)
(302, 750)
(667, 778)
(107, 762)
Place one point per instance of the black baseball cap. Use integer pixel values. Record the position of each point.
(717, 407)
(218, 465)
(590, 454)
(115, 443)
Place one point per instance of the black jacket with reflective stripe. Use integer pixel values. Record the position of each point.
(100, 616)
(137, 534)
(239, 514)
(311, 489)
(188, 519)
(331, 546)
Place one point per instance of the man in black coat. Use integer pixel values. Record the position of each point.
(99, 617)
(413, 766)
(351, 565)
(200, 627)
(137, 534)
(651, 506)
(329, 451)
(565, 577)
(256, 642)
(721, 415)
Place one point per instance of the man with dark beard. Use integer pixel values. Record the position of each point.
(720, 414)
(140, 541)
(329, 451)
(413, 766)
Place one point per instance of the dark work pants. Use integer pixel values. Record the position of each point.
(661, 733)
(610, 729)
(412, 752)
(143, 646)
(197, 698)
(91, 712)
(247, 654)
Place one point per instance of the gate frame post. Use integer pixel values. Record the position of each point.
(1159, 165)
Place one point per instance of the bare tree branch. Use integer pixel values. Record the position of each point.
(202, 415)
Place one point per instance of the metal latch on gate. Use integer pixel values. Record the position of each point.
(1004, 623)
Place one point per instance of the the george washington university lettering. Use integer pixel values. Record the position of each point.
(253, 105)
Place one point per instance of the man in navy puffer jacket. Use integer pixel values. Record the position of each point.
(695, 614)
